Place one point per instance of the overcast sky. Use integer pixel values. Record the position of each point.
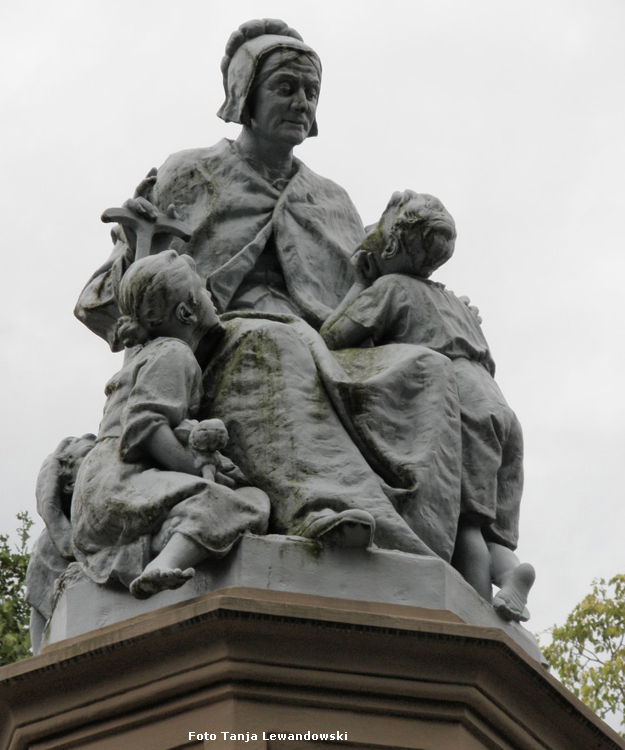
(512, 112)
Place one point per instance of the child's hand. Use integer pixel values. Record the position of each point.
(363, 264)
(184, 429)
(229, 474)
(225, 480)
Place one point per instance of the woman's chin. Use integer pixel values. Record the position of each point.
(293, 133)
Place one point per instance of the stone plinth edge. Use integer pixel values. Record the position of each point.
(291, 564)
(390, 677)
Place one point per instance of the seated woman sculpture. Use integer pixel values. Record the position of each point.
(145, 511)
(359, 441)
(394, 301)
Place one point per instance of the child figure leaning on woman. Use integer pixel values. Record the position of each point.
(154, 497)
(393, 301)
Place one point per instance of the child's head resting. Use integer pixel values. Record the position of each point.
(55, 483)
(160, 289)
(70, 454)
(415, 235)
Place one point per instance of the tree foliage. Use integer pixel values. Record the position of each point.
(14, 612)
(588, 651)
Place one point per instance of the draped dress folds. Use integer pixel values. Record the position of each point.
(125, 506)
(375, 428)
(411, 310)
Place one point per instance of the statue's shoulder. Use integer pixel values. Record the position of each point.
(323, 184)
(188, 177)
(165, 360)
(332, 200)
(193, 159)
(167, 346)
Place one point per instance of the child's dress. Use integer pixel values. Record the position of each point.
(125, 508)
(398, 308)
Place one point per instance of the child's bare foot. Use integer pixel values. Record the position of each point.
(152, 581)
(511, 599)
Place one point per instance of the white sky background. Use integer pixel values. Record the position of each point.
(513, 113)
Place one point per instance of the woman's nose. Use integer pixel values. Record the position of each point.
(299, 100)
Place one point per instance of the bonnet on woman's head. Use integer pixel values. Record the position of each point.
(247, 47)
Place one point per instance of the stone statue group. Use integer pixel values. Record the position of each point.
(285, 371)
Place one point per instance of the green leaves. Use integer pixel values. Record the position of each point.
(588, 651)
(14, 612)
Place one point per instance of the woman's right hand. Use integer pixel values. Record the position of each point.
(147, 229)
(145, 189)
(141, 204)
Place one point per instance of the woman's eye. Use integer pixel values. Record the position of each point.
(284, 89)
(312, 93)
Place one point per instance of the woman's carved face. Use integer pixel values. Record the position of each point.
(283, 105)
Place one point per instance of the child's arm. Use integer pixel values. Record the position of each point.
(343, 333)
(165, 384)
(163, 445)
(338, 331)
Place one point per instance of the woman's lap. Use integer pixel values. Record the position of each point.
(306, 428)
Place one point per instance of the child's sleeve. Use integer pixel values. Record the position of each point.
(166, 391)
(373, 309)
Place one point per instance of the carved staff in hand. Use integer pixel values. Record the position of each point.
(147, 228)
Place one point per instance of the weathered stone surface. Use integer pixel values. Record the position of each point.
(393, 301)
(289, 564)
(248, 661)
(321, 435)
(406, 446)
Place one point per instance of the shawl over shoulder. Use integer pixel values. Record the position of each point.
(232, 211)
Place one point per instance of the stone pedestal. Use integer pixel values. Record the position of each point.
(293, 564)
(259, 664)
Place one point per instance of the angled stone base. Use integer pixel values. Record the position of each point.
(236, 670)
(278, 563)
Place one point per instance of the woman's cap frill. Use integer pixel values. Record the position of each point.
(252, 30)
